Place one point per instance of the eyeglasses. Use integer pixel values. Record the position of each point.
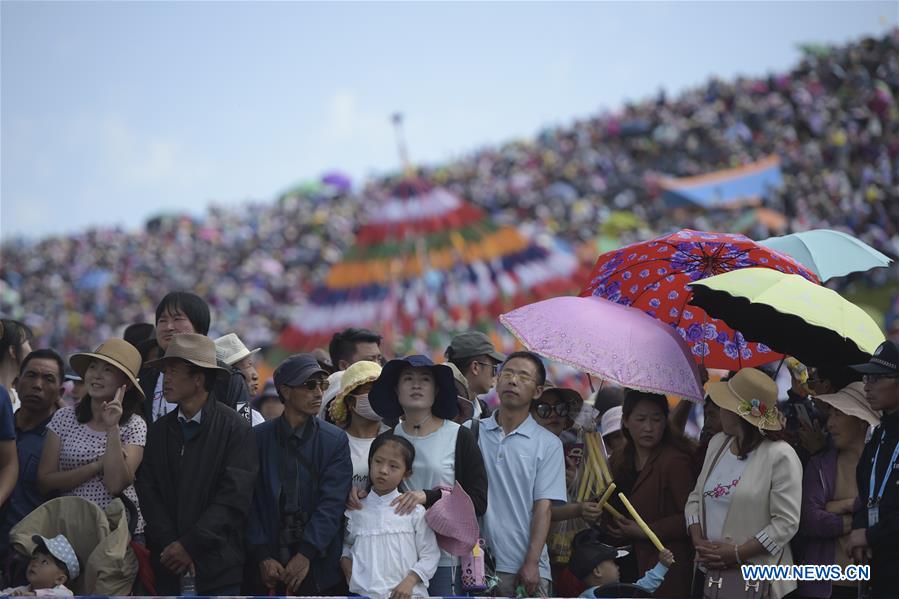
(545, 410)
(873, 378)
(311, 384)
(493, 367)
(508, 375)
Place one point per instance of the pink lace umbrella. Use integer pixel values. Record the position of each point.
(613, 342)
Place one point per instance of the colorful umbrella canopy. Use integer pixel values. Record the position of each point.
(654, 276)
(827, 252)
(608, 340)
(791, 315)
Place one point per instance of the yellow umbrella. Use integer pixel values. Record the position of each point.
(790, 315)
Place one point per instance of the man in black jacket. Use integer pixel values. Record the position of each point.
(876, 524)
(196, 481)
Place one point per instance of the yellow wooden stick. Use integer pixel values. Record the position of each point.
(586, 477)
(652, 536)
(606, 495)
(593, 457)
(603, 463)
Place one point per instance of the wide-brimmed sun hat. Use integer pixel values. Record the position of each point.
(851, 400)
(197, 349)
(383, 397)
(751, 394)
(454, 522)
(568, 395)
(116, 352)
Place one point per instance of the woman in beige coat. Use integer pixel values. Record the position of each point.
(746, 504)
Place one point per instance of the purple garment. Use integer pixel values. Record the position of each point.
(820, 528)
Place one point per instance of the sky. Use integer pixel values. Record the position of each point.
(111, 113)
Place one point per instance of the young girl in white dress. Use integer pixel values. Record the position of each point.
(386, 555)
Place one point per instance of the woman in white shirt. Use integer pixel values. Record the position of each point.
(424, 395)
(746, 503)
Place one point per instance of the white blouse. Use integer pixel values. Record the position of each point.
(385, 547)
(718, 492)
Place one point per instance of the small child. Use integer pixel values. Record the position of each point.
(386, 555)
(52, 565)
(594, 563)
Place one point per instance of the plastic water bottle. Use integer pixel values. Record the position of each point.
(188, 585)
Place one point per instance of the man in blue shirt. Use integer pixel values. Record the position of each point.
(39, 385)
(526, 474)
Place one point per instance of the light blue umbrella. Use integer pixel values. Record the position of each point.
(829, 253)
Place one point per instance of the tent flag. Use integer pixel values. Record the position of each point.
(724, 187)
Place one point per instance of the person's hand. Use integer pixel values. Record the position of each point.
(666, 557)
(176, 558)
(404, 589)
(718, 556)
(406, 502)
(528, 576)
(857, 546)
(22, 593)
(841, 506)
(295, 573)
(590, 511)
(346, 565)
(112, 409)
(272, 573)
(354, 499)
(629, 529)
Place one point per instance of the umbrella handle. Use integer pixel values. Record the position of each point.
(776, 372)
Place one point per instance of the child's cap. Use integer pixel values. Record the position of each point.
(60, 548)
(586, 556)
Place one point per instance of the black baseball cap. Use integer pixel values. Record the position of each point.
(586, 556)
(884, 361)
(296, 370)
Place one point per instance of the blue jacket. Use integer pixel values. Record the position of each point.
(327, 449)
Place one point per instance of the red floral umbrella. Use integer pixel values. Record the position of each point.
(653, 276)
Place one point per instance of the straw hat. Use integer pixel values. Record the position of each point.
(461, 381)
(356, 375)
(851, 400)
(231, 350)
(116, 352)
(751, 394)
(197, 349)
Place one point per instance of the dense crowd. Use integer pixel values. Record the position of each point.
(832, 120)
(161, 465)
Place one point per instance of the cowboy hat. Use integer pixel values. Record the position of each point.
(751, 394)
(197, 349)
(116, 352)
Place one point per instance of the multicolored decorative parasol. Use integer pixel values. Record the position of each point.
(426, 261)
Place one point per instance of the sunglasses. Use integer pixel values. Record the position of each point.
(311, 384)
(545, 410)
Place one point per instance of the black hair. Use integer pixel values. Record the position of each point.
(406, 448)
(343, 344)
(132, 404)
(541, 369)
(138, 332)
(13, 334)
(209, 375)
(624, 461)
(45, 354)
(193, 306)
(42, 550)
(840, 376)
